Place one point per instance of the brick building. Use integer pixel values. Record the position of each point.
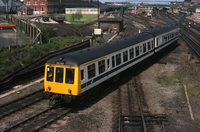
(38, 6)
(54, 6)
(24, 10)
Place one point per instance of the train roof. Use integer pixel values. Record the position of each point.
(162, 30)
(79, 57)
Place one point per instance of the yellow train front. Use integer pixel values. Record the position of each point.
(62, 80)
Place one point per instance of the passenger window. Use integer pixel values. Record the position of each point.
(91, 71)
(108, 63)
(137, 50)
(149, 46)
(101, 66)
(118, 59)
(50, 73)
(113, 61)
(144, 48)
(152, 45)
(82, 75)
(125, 56)
(131, 52)
(157, 42)
(165, 38)
(140, 50)
(59, 75)
(69, 77)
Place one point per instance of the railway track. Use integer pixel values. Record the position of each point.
(16, 105)
(192, 44)
(133, 110)
(30, 113)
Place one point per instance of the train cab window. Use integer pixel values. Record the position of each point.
(50, 73)
(144, 47)
(137, 50)
(149, 46)
(113, 61)
(131, 53)
(82, 75)
(101, 66)
(69, 76)
(108, 63)
(59, 75)
(125, 56)
(91, 71)
(118, 59)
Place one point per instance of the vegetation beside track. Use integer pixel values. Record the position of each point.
(15, 57)
(180, 78)
(2, 20)
(84, 18)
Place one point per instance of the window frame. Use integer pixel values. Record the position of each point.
(101, 66)
(131, 53)
(56, 75)
(137, 51)
(52, 80)
(91, 70)
(82, 79)
(125, 56)
(118, 59)
(71, 69)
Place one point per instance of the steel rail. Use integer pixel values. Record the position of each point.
(30, 118)
(193, 45)
(141, 111)
(21, 103)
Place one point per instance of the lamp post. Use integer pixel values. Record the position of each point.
(98, 13)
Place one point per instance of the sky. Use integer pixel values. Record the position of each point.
(127, 0)
(133, 0)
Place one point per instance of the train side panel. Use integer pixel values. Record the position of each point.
(145, 50)
(165, 39)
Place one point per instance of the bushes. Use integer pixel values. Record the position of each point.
(18, 56)
(47, 33)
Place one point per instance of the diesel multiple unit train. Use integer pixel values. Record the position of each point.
(72, 74)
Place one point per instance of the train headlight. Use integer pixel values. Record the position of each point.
(49, 89)
(69, 90)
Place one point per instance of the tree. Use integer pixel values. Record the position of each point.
(72, 17)
(79, 15)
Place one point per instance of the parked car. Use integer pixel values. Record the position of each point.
(6, 25)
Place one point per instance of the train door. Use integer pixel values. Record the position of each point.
(83, 77)
(108, 64)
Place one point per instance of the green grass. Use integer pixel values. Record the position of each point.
(165, 80)
(20, 55)
(86, 17)
(178, 79)
(194, 93)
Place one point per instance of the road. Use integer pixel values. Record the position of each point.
(8, 37)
